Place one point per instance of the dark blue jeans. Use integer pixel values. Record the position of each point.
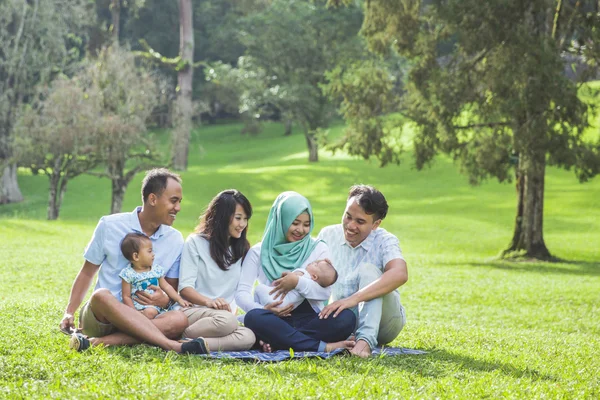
(302, 331)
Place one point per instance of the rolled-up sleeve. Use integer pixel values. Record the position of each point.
(94, 251)
(390, 249)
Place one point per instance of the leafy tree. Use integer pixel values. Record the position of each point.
(289, 46)
(37, 40)
(499, 100)
(56, 136)
(127, 95)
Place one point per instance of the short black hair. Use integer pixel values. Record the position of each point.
(131, 243)
(155, 182)
(370, 199)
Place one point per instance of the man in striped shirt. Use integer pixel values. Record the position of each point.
(370, 268)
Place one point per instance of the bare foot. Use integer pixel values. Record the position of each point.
(344, 344)
(265, 347)
(361, 349)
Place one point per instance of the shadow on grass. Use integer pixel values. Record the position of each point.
(438, 363)
(435, 364)
(562, 267)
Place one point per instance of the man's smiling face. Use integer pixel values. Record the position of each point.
(357, 223)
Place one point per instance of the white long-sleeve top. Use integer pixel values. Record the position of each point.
(199, 271)
(252, 271)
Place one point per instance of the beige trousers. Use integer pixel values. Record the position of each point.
(219, 328)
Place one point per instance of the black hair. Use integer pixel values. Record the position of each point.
(131, 243)
(214, 226)
(369, 199)
(155, 182)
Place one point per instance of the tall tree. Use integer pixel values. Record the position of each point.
(289, 46)
(184, 108)
(127, 95)
(499, 99)
(37, 39)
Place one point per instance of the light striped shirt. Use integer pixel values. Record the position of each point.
(379, 248)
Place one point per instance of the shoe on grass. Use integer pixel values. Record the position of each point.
(195, 346)
(79, 342)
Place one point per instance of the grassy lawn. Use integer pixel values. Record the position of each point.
(492, 329)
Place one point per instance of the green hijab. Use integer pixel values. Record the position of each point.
(276, 253)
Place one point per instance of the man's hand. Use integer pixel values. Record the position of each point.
(337, 307)
(219, 304)
(158, 298)
(67, 324)
(279, 311)
(283, 285)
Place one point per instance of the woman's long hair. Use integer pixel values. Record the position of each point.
(214, 226)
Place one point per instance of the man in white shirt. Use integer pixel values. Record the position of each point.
(370, 267)
(104, 319)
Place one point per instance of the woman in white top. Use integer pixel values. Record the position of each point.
(210, 271)
(286, 246)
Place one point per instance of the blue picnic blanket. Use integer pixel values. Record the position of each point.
(281, 355)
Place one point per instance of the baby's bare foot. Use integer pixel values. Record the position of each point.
(265, 347)
(361, 349)
(344, 344)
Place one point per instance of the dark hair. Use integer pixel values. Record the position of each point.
(214, 226)
(131, 243)
(155, 182)
(369, 199)
(335, 273)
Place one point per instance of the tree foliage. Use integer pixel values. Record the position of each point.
(127, 95)
(487, 85)
(38, 39)
(289, 46)
(56, 136)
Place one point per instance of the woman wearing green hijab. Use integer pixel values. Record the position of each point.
(287, 246)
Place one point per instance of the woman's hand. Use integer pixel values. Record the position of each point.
(219, 304)
(279, 311)
(283, 285)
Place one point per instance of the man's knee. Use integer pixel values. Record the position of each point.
(172, 324)
(101, 297)
(99, 303)
(367, 274)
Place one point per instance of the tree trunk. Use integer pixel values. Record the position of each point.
(313, 147)
(53, 196)
(183, 121)
(115, 13)
(288, 127)
(9, 186)
(528, 237)
(119, 186)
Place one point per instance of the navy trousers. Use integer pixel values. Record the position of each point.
(302, 331)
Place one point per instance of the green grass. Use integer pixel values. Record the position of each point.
(491, 328)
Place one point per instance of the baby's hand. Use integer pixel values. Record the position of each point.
(184, 303)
